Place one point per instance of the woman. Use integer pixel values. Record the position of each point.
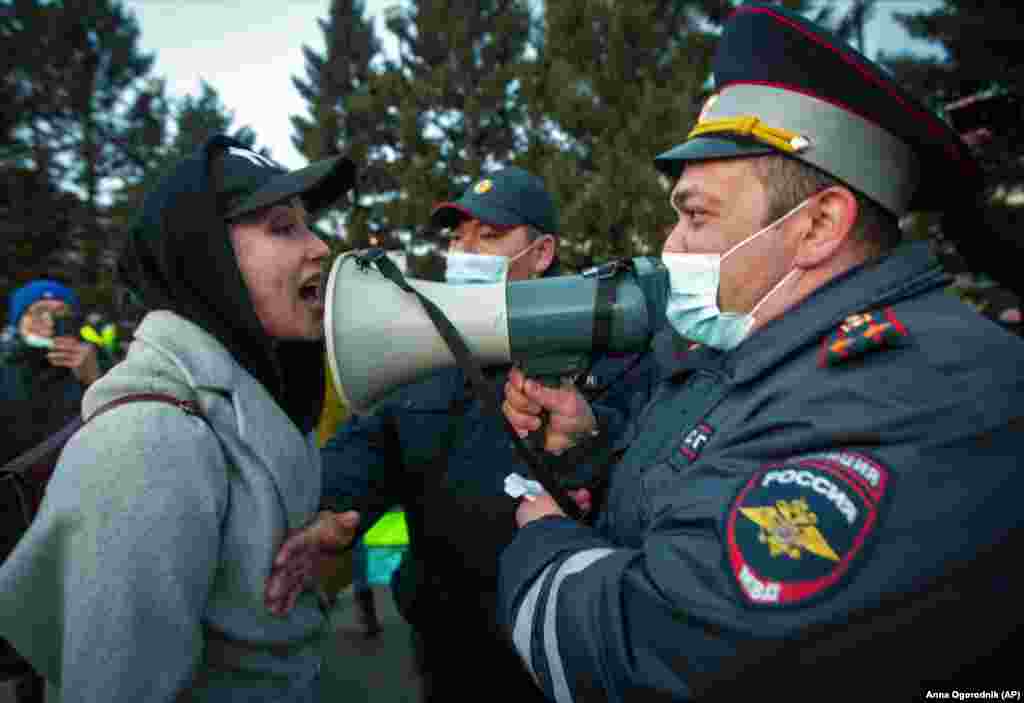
(143, 577)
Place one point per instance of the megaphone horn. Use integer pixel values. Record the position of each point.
(379, 337)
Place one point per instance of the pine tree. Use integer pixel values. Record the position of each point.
(36, 220)
(850, 27)
(332, 79)
(73, 75)
(179, 127)
(103, 62)
(453, 94)
(75, 67)
(982, 41)
(200, 117)
(983, 65)
(615, 84)
(984, 55)
(144, 136)
(339, 118)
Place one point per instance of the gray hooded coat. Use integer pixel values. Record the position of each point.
(157, 533)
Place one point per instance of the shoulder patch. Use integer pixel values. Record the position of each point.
(796, 527)
(694, 441)
(861, 334)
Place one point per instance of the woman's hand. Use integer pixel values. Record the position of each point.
(295, 565)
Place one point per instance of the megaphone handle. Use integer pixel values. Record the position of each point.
(535, 440)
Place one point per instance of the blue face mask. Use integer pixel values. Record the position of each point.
(692, 307)
(463, 268)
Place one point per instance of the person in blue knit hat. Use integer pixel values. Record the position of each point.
(45, 366)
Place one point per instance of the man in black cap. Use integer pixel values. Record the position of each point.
(825, 485)
(436, 450)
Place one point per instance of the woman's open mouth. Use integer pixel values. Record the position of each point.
(311, 292)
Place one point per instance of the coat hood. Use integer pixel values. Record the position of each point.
(179, 257)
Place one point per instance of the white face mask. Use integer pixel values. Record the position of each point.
(692, 308)
(37, 342)
(463, 268)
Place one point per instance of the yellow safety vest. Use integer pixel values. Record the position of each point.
(107, 339)
(334, 411)
(389, 531)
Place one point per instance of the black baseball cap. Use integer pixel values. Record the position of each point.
(507, 198)
(247, 181)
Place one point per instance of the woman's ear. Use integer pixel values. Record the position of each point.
(832, 216)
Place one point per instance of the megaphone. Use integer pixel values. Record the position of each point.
(380, 337)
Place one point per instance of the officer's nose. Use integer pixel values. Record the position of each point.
(467, 239)
(674, 238)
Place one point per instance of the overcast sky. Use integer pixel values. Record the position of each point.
(250, 49)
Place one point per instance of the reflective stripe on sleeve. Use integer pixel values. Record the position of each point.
(523, 630)
(522, 633)
(573, 565)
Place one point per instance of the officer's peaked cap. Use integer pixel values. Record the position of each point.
(785, 85)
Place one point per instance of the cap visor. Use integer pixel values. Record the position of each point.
(448, 215)
(319, 185)
(672, 161)
(451, 214)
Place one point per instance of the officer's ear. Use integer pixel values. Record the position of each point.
(828, 226)
(547, 247)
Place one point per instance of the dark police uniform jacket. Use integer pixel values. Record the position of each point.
(442, 455)
(832, 500)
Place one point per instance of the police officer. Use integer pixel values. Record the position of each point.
(822, 498)
(437, 450)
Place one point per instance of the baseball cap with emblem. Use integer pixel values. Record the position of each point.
(786, 86)
(506, 198)
(247, 181)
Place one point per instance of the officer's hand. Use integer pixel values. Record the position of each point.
(583, 500)
(544, 505)
(294, 567)
(541, 506)
(79, 356)
(570, 416)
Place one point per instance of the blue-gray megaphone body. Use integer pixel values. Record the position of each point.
(380, 337)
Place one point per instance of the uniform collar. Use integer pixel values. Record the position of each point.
(908, 271)
(675, 355)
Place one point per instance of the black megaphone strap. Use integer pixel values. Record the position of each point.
(538, 467)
